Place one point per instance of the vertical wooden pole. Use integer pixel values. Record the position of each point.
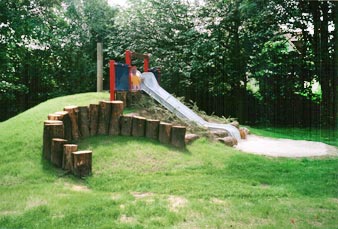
(99, 67)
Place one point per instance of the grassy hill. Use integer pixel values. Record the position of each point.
(139, 183)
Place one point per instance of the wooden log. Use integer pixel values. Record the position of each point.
(84, 121)
(52, 129)
(104, 114)
(67, 161)
(152, 128)
(64, 117)
(126, 124)
(133, 97)
(82, 163)
(178, 136)
(93, 118)
(57, 151)
(54, 117)
(73, 112)
(116, 113)
(138, 126)
(189, 138)
(121, 96)
(164, 133)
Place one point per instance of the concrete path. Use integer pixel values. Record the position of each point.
(285, 147)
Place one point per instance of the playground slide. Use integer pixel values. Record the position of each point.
(152, 88)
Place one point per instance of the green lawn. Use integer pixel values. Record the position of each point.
(138, 183)
(314, 134)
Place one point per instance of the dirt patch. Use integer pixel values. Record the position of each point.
(140, 195)
(4, 213)
(218, 201)
(127, 219)
(176, 202)
(35, 203)
(285, 147)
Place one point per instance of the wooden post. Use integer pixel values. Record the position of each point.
(152, 127)
(138, 126)
(82, 163)
(178, 136)
(84, 121)
(133, 97)
(57, 151)
(66, 123)
(164, 134)
(122, 96)
(67, 162)
(126, 124)
(51, 129)
(73, 115)
(54, 117)
(99, 67)
(104, 114)
(116, 113)
(94, 118)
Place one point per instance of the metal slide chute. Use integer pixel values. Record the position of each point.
(151, 87)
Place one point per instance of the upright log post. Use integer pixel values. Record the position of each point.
(82, 163)
(104, 114)
(64, 117)
(57, 151)
(178, 136)
(126, 124)
(84, 121)
(116, 113)
(94, 118)
(73, 114)
(67, 162)
(52, 129)
(152, 128)
(138, 126)
(54, 117)
(164, 134)
(122, 96)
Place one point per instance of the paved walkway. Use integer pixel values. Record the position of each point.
(285, 147)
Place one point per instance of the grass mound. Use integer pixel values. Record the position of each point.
(139, 183)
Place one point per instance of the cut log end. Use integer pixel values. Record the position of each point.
(82, 163)
(164, 135)
(57, 151)
(178, 136)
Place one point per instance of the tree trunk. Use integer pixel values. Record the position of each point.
(52, 129)
(152, 127)
(84, 121)
(66, 123)
(116, 113)
(138, 126)
(67, 162)
(93, 118)
(178, 136)
(82, 163)
(121, 96)
(73, 112)
(104, 114)
(57, 151)
(126, 124)
(164, 134)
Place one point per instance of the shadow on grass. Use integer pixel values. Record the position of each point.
(120, 141)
